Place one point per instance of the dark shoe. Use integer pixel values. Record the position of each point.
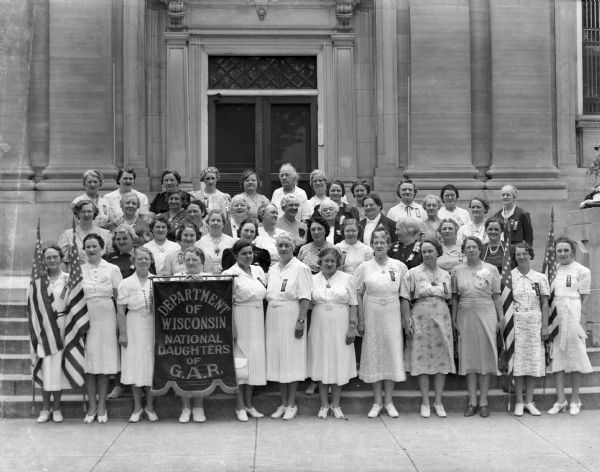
(484, 411)
(471, 410)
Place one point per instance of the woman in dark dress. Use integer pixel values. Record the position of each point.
(518, 219)
(248, 231)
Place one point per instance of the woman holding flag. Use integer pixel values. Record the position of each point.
(571, 287)
(100, 283)
(54, 380)
(530, 297)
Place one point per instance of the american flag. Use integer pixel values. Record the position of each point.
(41, 312)
(550, 266)
(78, 321)
(507, 303)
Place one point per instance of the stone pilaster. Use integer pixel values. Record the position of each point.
(440, 92)
(522, 95)
(345, 138)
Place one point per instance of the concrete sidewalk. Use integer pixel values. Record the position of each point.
(408, 443)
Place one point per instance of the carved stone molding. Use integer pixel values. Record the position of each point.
(175, 14)
(344, 10)
(261, 7)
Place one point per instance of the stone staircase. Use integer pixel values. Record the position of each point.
(16, 386)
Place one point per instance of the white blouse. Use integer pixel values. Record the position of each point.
(293, 282)
(100, 280)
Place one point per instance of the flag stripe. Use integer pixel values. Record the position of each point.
(507, 301)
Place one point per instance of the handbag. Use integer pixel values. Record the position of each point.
(240, 362)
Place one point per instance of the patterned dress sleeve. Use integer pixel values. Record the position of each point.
(407, 286)
(359, 278)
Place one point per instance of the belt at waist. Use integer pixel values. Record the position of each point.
(383, 300)
(88, 299)
(329, 306)
(256, 304)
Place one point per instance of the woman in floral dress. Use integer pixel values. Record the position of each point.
(530, 317)
(427, 323)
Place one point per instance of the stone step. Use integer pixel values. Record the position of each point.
(14, 363)
(12, 310)
(220, 405)
(15, 343)
(14, 326)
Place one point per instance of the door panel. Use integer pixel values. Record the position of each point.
(262, 133)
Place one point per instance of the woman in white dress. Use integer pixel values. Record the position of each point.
(52, 374)
(249, 291)
(476, 226)
(288, 293)
(379, 321)
(530, 301)
(571, 287)
(135, 317)
(268, 232)
(212, 197)
(449, 195)
(160, 245)
(354, 252)
(100, 283)
(215, 242)
(331, 358)
(92, 182)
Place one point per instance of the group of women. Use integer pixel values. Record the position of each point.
(421, 291)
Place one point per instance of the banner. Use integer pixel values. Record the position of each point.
(193, 348)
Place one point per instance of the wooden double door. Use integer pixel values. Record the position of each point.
(261, 133)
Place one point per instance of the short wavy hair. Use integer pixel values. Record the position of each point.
(334, 251)
(210, 170)
(93, 173)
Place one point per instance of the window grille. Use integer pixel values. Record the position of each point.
(591, 55)
(262, 72)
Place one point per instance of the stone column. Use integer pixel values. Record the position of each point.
(16, 25)
(522, 97)
(177, 104)
(481, 149)
(388, 168)
(440, 100)
(134, 91)
(344, 126)
(38, 131)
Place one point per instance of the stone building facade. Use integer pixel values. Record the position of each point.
(478, 93)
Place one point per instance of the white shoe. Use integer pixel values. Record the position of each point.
(391, 410)
(337, 413)
(425, 411)
(254, 413)
(185, 416)
(558, 407)
(57, 416)
(519, 409)
(323, 412)
(531, 408)
(375, 411)
(115, 393)
(152, 416)
(290, 412)
(439, 410)
(44, 416)
(575, 408)
(279, 412)
(241, 415)
(198, 415)
(136, 416)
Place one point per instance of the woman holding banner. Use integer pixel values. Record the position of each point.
(331, 358)
(136, 333)
(288, 293)
(100, 283)
(194, 263)
(249, 291)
